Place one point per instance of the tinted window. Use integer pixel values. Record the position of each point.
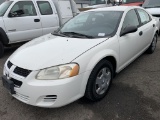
(26, 6)
(45, 7)
(131, 19)
(143, 16)
(95, 24)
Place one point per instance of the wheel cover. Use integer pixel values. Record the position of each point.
(154, 43)
(103, 80)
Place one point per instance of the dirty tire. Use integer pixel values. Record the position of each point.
(152, 47)
(1, 49)
(99, 81)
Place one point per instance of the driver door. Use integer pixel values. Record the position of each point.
(23, 27)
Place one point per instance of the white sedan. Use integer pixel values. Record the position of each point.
(81, 58)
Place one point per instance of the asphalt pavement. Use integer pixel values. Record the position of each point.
(134, 95)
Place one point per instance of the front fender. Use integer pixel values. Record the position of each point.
(88, 60)
(101, 55)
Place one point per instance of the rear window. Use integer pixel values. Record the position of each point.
(45, 8)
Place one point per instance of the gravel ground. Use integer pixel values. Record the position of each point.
(134, 95)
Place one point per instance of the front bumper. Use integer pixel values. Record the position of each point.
(49, 93)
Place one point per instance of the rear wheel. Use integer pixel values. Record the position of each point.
(1, 49)
(152, 47)
(99, 81)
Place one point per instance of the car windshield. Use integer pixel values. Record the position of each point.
(92, 24)
(151, 3)
(4, 6)
(131, 1)
(95, 2)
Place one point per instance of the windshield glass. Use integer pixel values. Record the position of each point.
(94, 24)
(4, 6)
(151, 3)
(131, 1)
(96, 2)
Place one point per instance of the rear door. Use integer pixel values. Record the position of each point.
(48, 15)
(147, 27)
(23, 27)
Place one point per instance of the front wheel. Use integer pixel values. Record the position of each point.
(1, 49)
(152, 47)
(99, 81)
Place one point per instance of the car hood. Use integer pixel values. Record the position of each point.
(50, 50)
(153, 11)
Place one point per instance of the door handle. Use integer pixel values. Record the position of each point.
(140, 33)
(153, 25)
(13, 30)
(36, 20)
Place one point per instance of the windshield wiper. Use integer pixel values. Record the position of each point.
(58, 34)
(77, 34)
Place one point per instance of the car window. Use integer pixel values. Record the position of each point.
(131, 1)
(45, 7)
(144, 17)
(151, 3)
(26, 6)
(96, 2)
(4, 6)
(131, 19)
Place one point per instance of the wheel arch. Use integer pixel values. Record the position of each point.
(3, 37)
(109, 55)
(157, 32)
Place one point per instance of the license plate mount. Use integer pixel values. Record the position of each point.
(8, 84)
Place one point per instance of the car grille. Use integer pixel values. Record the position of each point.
(16, 82)
(18, 70)
(9, 64)
(50, 98)
(21, 71)
(22, 97)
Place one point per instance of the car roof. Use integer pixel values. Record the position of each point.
(114, 8)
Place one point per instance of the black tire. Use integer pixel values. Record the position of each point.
(152, 47)
(1, 49)
(91, 91)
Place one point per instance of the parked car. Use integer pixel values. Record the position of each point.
(81, 58)
(108, 3)
(153, 7)
(24, 20)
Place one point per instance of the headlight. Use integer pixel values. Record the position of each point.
(58, 72)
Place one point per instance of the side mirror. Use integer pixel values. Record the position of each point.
(16, 13)
(129, 29)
